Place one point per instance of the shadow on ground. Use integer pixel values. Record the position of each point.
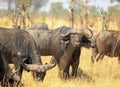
(84, 76)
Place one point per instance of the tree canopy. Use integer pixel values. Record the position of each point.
(57, 9)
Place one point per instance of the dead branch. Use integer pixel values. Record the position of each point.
(72, 12)
(102, 14)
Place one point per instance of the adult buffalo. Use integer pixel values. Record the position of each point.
(106, 42)
(18, 47)
(63, 44)
(40, 25)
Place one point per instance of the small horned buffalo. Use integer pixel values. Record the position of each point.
(19, 48)
(64, 45)
(106, 42)
(40, 25)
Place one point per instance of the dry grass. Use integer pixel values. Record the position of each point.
(104, 74)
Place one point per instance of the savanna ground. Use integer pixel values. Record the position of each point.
(104, 74)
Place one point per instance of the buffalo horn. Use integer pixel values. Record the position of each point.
(72, 31)
(38, 68)
(91, 33)
(66, 34)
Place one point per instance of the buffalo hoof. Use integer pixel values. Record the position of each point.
(64, 76)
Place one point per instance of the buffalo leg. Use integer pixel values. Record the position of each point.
(19, 69)
(94, 54)
(64, 73)
(63, 70)
(75, 68)
(3, 69)
(8, 76)
(19, 73)
(119, 60)
(75, 62)
(100, 57)
(18, 66)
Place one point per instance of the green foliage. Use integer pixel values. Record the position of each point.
(79, 7)
(37, 4)
(21, 13)
(93, 11)
(56, 9)
(114, 11)
(3, 12)
(23, 4)
(43, 15)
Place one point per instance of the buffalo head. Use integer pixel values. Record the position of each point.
(76, 37)
(39, 71)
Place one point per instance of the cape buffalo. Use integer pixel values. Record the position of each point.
(40, 25)
(106, 42)
(64, 44)
(18, 47)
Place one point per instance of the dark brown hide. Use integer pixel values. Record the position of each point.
(63, 44)
(105, 43)
(17, 45)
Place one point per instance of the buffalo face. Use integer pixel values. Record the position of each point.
(85, 42)
(77, 37)
(39, 71)
(39, 76)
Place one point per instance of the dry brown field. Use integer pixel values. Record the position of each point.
(104, 74)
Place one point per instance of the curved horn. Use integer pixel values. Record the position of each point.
(66, 34)
(63, 35)
(38, 68)
(91, 33)
(49, 66)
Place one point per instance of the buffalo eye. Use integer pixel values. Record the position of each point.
(66, 38)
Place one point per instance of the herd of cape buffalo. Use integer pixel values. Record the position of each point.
(24, 48)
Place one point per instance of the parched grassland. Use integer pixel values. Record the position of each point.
(104, 74)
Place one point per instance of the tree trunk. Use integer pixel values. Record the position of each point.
(72, 13)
